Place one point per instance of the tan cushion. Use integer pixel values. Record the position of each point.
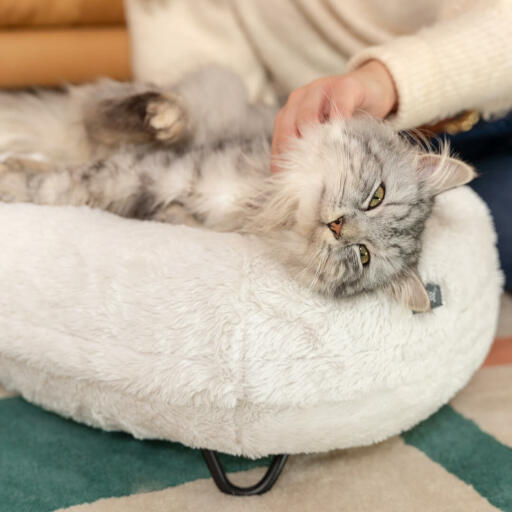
(53, 56)
(19, 13)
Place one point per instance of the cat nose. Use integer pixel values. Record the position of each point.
(335, 227)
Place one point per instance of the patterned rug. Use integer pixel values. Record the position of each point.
(460, 459)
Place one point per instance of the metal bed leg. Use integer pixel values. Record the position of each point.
(224, 485)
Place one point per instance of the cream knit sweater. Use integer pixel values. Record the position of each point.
(445, 56)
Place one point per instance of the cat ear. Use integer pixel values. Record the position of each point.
(410, 291)
(441, 172)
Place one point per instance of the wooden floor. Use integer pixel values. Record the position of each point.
(501, 352)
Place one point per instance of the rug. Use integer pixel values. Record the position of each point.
(460, 459)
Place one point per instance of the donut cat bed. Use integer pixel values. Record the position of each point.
(189, 335)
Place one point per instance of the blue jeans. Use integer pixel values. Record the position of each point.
(488, 146)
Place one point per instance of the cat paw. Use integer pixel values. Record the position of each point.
(166, 117)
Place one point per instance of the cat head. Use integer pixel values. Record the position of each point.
(350, 206)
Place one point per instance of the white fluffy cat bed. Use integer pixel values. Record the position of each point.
(189, 335)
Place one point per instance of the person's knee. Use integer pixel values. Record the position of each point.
(495, 187)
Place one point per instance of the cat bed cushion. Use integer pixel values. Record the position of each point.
(189, 335)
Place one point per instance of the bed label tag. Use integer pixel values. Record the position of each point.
(434, 295)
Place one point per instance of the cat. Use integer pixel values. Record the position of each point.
(345, 215)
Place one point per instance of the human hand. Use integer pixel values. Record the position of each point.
(369, 88)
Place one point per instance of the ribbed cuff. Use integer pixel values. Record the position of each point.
(455, 65)
(418, 78)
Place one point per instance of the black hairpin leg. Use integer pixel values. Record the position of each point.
(224, 485)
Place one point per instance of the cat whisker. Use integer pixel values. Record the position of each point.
(321, 258)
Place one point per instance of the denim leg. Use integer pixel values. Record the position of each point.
(488, 146)
(494, 185)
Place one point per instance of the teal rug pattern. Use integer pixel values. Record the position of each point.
(48, 462)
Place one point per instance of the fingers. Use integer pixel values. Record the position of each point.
(322, 99)
(311, 108)
(304, 106)
(345, 97)
(285, 127)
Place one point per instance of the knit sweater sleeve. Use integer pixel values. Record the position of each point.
(462, 63)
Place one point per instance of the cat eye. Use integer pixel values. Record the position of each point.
(377, 197)
(364, 254)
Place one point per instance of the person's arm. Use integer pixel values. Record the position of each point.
(460, 64)
(369, 88)
(455, 65)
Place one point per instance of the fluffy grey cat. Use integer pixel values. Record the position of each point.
(345, 215)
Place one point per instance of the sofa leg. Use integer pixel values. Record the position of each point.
(224, 485)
